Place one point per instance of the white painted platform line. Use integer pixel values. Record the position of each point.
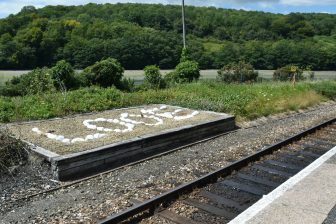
(279, 191)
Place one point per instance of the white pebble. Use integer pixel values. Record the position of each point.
(87, 122)
(66, 141)
(124, 115)
(77, 140)
(91, 126)
(60, 138)
(100, 120)
(35, 130)
(163, 107)
(195, 113)
(51, 136)
(89, 137)
(100, 128)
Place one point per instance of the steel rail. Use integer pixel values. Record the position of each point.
(165, 198)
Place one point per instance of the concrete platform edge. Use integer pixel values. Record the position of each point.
(268, 199)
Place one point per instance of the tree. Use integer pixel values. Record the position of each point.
(63, 75)
(105, 73)
(187, 71)
(153, 78)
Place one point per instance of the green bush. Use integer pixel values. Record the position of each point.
(187, 71)
(63, 75)
(35, 82)
(153, 78)
(287, 73)
(105, 73)
(237, 72)
(128, 84)
(171, 79)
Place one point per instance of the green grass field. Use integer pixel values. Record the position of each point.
(246, 101)
(138, 76)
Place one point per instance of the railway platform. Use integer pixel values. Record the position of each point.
(308, 197)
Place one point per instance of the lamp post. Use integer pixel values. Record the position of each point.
(184, 26)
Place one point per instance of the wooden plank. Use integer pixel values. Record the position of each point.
(273, 171)
(210, 208)
(245, 188)
(284, 165)
(330, 139)
(299, 157)
(324, 148)
(310, 154)
(258, 180)
(168, 214)
(171, 216)
(322, 141)
(223, 201)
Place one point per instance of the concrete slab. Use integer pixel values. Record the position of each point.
(308, 197)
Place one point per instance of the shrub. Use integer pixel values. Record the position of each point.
(128, 84)
(153, 78)
(187, 71)
(287, 73)
(39, 81)
(105, 73)
(35, 82)
(63, 75)
(237, 72)
(171, 79)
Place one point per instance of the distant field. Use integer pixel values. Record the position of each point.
(137, 75)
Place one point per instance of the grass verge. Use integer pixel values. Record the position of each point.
(244, 101)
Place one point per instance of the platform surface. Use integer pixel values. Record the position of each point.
(309, 197)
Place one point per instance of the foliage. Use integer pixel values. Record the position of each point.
(105, 73)
(185, 56)
(187, 71)
(128, 85)
(327, 89)
(171, 78)
(153, 78)
(37, 81)
(237, 72)
(63, 75)
(244, 101)
(288, 73)
(144, 34)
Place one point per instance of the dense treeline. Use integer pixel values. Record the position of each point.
(138, 35)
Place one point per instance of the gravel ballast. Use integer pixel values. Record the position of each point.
(94, 199)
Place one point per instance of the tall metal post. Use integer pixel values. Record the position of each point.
(184, 26)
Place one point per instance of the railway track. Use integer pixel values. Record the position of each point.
(220, 196)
